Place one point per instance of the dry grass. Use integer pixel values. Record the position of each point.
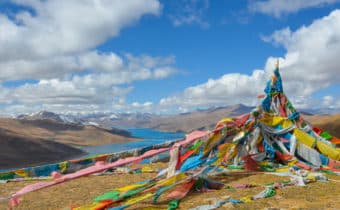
(317, 195)
(329, 123)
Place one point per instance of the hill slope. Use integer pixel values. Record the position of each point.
(20, 151)
(72, 134)
(197, 120)
(329, 123)
(30, 142)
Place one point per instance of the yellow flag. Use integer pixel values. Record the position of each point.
(212, 141)
(129, 187)
(172, 180)
(21, 173)
(304, 137)
(327, 150)
(282, 169)
(276, 120)
(87, 207)
(137, 199)
(63, 166)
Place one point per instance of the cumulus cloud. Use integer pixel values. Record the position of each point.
(99, 86)
(310, 64)
(59, 66)
(55, 37)
(278, 8)
(228, 89)
(328, 101)
(60, 27)
(54, 42)
(337, 104)
(141, 107)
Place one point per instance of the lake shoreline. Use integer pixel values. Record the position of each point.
(159, 137)
(148, 137)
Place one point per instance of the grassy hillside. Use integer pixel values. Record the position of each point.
(329, 123)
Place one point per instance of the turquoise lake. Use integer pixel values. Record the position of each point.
(148, 137)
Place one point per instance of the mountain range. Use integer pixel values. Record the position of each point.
(201, 119)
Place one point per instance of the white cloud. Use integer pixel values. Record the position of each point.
(100, 87)
(278, 8)
(54, 43)
(328, 101)
(60, 36)
(310, 64)
(60, 66)
(61, 27)
(189, 12)
(228, 89)
(337, 104)
(142, 106)
(14, 110)
(332, 102)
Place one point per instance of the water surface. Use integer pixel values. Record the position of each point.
(148, 137)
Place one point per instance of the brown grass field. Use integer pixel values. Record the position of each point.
(318, 195)
(329, 123)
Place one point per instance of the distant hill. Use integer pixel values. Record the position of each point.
(197, 120)
(37, 141)
(323, 111)
(184, 122)
(329, 123)
(206, 119)
(52, 116)
(19, 151)
(122, 120)
(42, 115)
(69, 133)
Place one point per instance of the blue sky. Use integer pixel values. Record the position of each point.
(164, 56)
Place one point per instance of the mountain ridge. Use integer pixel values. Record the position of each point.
(183, 122)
